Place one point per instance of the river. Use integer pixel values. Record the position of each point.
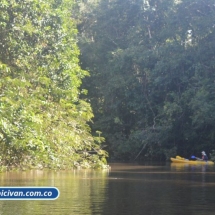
(125, 189)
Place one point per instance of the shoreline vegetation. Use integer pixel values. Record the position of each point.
(44, 122)
(40, 167)
(152, 75)
(83, 81)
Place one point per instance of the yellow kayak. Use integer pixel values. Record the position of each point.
(179, 159)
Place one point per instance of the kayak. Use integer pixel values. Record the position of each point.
(179, 159)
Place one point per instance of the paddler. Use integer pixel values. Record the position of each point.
(204, 156)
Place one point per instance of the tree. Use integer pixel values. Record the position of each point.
(43, 120)
(151, 83)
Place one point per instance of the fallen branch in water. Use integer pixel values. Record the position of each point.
(144, 146)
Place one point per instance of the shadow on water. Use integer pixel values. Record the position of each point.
(125, 189)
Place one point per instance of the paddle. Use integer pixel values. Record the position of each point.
(195, 157)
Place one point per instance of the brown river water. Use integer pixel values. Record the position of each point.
(125, 189)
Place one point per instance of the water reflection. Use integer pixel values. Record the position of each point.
(81, 192)
(124, 190)
(190, 167)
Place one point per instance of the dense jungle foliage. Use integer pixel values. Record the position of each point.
(43, 120)
(152, 83)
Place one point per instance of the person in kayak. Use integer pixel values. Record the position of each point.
(204, 156)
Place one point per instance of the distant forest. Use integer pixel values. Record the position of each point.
(152, 75)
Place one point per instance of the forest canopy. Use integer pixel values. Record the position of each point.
(143, 82)
(152, 83)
